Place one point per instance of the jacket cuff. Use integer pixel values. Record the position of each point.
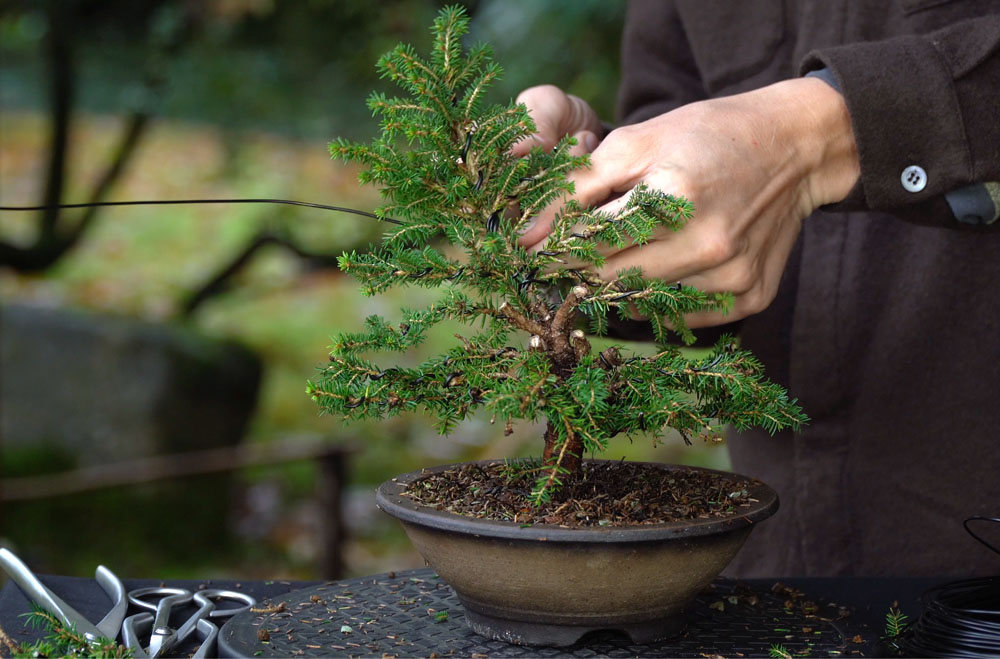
(978, 203)
(911, 147)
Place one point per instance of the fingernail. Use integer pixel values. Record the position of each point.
(527, 226)
(590, 141)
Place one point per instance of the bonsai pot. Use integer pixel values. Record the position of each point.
(549, 585)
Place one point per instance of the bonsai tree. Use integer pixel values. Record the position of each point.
(459, 200)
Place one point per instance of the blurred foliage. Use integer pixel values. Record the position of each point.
(296, 67)
(247, 107)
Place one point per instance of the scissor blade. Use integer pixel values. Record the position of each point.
(111, 624)
(162, 641)
(44, 597)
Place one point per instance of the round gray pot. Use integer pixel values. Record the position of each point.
(547, 585)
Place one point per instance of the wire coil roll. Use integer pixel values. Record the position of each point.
(959, 619)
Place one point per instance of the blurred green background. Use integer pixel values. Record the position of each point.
(238, 99)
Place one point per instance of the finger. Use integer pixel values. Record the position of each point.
(534, 233)
(612, 173)
(612, 207)
(526, 144)
(761, 261)
(547, 105)
(762, 291)
(602, 183)
(760, 295)
(556, 114)
(537, 230)
(752, 302)
(708, 319)
(671, 257)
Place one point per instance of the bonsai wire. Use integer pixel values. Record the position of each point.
(960, 619)
(165, 202)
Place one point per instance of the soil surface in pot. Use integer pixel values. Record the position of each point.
(607, 494)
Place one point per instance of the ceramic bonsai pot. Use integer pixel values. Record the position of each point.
(549, 585)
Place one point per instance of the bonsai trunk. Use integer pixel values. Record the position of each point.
(572, 452)
(564, 346)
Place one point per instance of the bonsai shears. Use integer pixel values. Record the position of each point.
(162, 637)
(108, 627)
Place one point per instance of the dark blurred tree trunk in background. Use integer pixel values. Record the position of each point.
(58, 233)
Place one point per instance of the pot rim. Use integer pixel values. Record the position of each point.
(390, 499)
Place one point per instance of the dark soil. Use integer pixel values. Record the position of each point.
(608, 494)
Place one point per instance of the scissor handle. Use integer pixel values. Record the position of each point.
(163, 636)
(208, 595)
(174, 595)
(209, 634)
(134, 628)
(44, 597)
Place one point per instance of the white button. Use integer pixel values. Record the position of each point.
(914, 178)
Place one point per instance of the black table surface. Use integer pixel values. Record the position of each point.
(413, 613)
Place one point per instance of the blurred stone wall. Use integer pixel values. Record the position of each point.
(105, 388)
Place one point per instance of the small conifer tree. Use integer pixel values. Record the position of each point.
(446, 175)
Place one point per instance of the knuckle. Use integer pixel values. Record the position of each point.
(620, 135)
(741, 280)
(582, 116)
(742, 275)
(540, 94)
(755, 300)
(715, 248)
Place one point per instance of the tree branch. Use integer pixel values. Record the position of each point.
(521, 321)
(219, 283)
(60, 50)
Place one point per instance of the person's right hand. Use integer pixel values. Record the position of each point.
(557, 114)
(753, 165)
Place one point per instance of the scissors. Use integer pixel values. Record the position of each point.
(108, 626)
(162, 637)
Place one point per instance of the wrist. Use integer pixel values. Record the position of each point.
(820, 126)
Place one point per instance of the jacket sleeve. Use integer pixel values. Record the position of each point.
(929, 101)
(658, 69)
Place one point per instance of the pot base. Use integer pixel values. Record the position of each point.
(520, 632)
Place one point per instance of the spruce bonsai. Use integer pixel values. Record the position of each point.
(445, 171)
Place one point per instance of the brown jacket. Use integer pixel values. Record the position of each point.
(887, 323)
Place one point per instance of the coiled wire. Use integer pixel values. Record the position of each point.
(959, 619)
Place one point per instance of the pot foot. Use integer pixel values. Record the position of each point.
(533, 633)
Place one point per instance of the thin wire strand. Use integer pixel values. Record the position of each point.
(981, 518)
(170, 202)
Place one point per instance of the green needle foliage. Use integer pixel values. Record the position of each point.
(445, 171)
(896, 626)
(63, 641)
(895, 622)
(778, 651)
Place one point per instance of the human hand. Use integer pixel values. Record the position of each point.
(754, 166)
(557, 114)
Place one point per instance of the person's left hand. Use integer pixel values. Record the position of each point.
(754, 166)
